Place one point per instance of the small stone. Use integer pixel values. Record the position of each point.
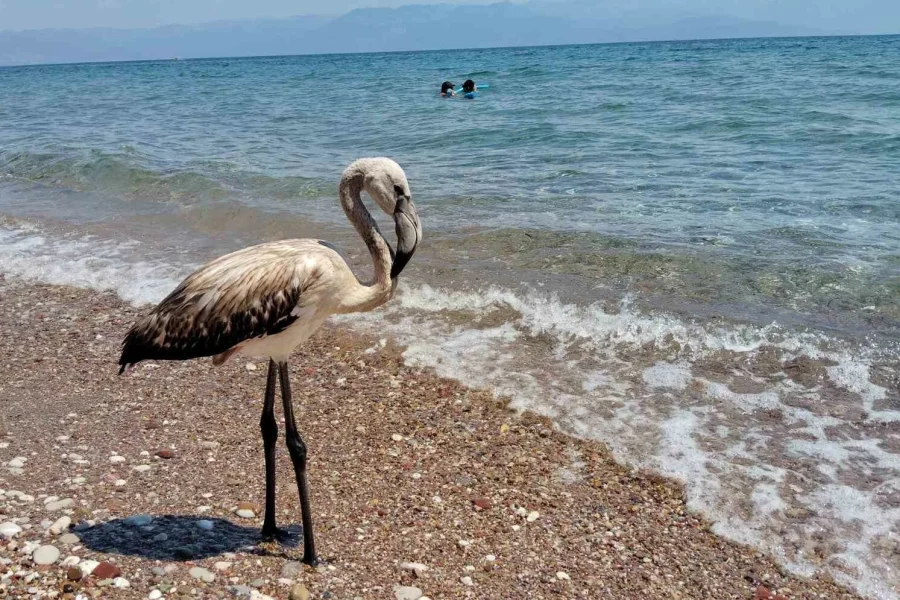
(119, 482)
(121, 582)
(60, 525)
(417, 568)
(74, 574)
(138, 520)
(404, 592)
(143, 469)
(205, 525)
(397, 437)
(105, 570)
(482, 503)
(10, 530)
(533, 516)
(466, 580)
(160, 537)
(158, 571)
(563, 576)
(291, 569)
(88, 566)
(464, 543)
(241, 590)
(250, 367)
(117, 459)
(245, 510)
(299, 592)
(257, 583)
(71, 561)
(201, 574)
(222, 565)
(154, 595)
(16, 463)
(165, 453)
(59, 505)
(45, 555)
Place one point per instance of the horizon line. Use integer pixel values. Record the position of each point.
(485, 48)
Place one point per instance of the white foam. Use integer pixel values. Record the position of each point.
(87, 262)
(667, 375)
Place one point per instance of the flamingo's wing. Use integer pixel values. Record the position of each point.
(248, 294)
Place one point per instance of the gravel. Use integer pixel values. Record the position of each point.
(615, 532)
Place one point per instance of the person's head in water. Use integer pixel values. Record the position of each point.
(447, 88)
(468, 86)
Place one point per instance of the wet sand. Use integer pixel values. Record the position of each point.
(404, 467)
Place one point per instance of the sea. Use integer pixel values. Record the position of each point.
(689, 251)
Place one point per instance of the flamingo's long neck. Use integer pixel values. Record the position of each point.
(367, 296)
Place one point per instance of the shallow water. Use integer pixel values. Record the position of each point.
(688, 250)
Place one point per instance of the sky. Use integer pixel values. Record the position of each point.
(77, 14)
(862, 16)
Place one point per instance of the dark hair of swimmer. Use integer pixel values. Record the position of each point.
(469, 86)
(447, 86)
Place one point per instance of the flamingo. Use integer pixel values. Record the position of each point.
(265, 300)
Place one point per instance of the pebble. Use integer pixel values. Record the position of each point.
(120, 482)
(245, 510)
(562, 576)
(117, 459)
(205, 525)
(61, 524)
(139, 520)
(241, 590)
(121, 582)
(201, 574)
(71, 561)
(482, 503)
(533, 516)
(158, 571)
(16, 463)
(105, 570)
(59, 505)
(165, 453)
(143, 469)
(299, 592)
(417, 568)
(87, 566)
(466, 580)
(69, 539)
(404, 592)
(291, 569)
(258, 583)
(250, 367)
(74, 574)
(160, 537)
(397, 437)
(222, 565)
(45, 555)
(154, 595)
(10, 530)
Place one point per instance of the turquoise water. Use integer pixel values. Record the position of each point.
(642, 241)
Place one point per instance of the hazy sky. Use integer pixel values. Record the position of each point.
(864, 16)
(40, 14)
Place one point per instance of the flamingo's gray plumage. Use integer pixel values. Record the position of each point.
(265, 300)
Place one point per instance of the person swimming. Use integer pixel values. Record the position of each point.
(469, 87)
(447, 89)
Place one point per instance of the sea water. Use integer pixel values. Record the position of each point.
(687, 250)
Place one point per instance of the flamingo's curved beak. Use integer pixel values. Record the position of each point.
(409, 233)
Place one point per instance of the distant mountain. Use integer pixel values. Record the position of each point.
(416, 27)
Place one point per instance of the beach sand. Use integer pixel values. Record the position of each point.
(405, 467)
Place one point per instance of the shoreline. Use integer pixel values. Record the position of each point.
(405, 467)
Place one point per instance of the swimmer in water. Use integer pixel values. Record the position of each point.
(469, 87)
(447, 89)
